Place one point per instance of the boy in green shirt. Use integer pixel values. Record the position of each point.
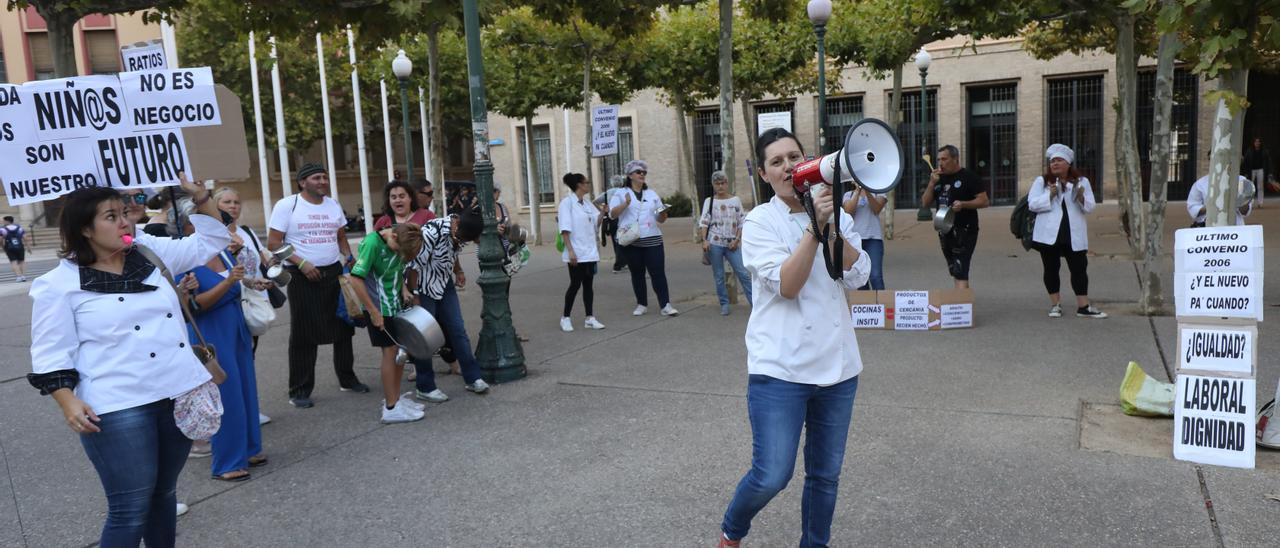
(380, 267)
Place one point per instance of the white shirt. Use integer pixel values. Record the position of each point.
(865, 222)
(579, 219)
(1048, 212)
(311, 229)
(724, 221)
(130, 349)
(640, 211)
(250, 258)
(1199, 193)
(808, 339)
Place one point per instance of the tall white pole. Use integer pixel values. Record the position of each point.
(386, 133)
(285, 180)
(533, 188)
(263, 175)
(366, 202)
(568, 145)
(426, 140)
(328, 125)
(170, 42)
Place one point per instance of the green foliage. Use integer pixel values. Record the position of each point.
(1223, 36)
(678, 205)
(775, 57)
(526, 67)
(454, 94)
(682, 56)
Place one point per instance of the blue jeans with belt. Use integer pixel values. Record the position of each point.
(138, 455)
(448, 312)
(779, 410)
(718, 254)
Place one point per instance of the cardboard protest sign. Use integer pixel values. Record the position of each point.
(911, 310)
(74, 108)
(604, 130)
(34, 171)
(220, 152)
(1220, 349)
(1219, 295)
(143, 56)
(167, 99)
(1218, 249)
(1213, 420)
(865, 311)
(143, 159)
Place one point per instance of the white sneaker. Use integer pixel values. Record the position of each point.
(566, 325)
(402, 412)
(639, 311)
(434, 396)
(407, 398)
(478, 387)
(1055, 311)
(592, 323)
(263, 419)
(670, 310)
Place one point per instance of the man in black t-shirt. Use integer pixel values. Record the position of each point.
(964, 192)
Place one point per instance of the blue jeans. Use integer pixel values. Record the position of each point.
(874, 247)
(718, 255)
(779, 410)
(448, 312)
(138, 455)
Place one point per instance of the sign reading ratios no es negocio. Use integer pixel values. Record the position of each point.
(118, 131)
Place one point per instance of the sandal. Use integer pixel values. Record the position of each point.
(257, 460)
(228, 477)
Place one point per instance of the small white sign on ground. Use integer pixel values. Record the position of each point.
(957, 315)
(1213, 421)
(604, 130)
(867, 316)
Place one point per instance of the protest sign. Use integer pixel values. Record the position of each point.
(143, 56)
(1221, 349)
(1213, 420)
(166, 99)
(74, 108)
(1218, 249)
(1219, 295)
(143, 159)
(604, 130)
(911, 310)
(32, 170)
(867, 316)
(769, 120)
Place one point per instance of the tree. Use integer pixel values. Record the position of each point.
(60, 17)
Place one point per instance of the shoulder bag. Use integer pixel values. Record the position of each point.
(274, 294)
(256, 307)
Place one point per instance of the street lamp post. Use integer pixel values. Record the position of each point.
(922, 63)
(402, 67)
(498, 351)
(819, 14)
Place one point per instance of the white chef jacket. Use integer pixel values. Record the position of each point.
(130, 349)
(1200, 192)
(579, 219)
(808, 339)
(640, 211)
(1048, 212)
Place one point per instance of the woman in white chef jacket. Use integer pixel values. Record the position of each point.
(802, 355)
(109, 343)
(578, 221)
(1061, 198)
(638, 207)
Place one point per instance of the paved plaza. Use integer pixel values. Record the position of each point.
(1002, 435)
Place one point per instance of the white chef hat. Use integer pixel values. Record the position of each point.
(1059, 150)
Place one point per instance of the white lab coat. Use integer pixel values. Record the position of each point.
(1199, 193)
(1048, 212)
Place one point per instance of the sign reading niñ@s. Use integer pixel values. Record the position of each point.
(162, 99)
(73, 108)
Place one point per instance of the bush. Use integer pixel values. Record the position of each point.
(678, 205)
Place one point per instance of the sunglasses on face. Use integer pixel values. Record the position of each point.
(641, 172)
(428, 193)
(139, 199)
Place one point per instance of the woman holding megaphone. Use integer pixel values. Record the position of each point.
(802, 355)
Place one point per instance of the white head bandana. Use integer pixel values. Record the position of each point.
(1059, 150)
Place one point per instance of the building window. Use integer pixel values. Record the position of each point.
(993, 140)
(614, 164)
(41, 55)
(1182, 164)
(773, 108)
(102, 51)
(707, 156)
(1075, 119)
(915, 174)
(541, 151)
(4, 74)
(842, 114)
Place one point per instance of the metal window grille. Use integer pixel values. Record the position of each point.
(993, 140)
(541, 150)
(706, 149)
(1182, 163)
(842, 114)
(916, 174)
(4, 74)
(1075, 119)
(613, 165)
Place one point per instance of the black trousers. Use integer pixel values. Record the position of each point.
(653, 259)
(1077, 262)
(313, 321)
(957, 249)
(580, 276)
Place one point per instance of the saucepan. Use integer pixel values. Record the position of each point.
(517, 235)
(279, 275)
(280, 255)
(1247, 192)
(416, 331)
(944, 219)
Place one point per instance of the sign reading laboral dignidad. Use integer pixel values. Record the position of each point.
(103, 130)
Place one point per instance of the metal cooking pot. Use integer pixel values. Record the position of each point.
(944, 219)
(285, 252)
(279, 275)
(517, 235)
(1247, 192)
(416, 331)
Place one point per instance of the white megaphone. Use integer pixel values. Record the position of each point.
(871, 158)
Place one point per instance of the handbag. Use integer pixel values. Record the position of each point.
(258, 312)
(203, 351)
(629, 233)
(349, 309)
(274, 294)
(198, 412)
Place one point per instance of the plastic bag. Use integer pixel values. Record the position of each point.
(1143, 396)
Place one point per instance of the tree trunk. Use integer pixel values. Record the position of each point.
(686, 158)
(597, 185)
(1126, 136)
(531, 172)
(749, 125)
(895, 120)
(726, 93)
(1224, 163)
(61, 29)
(1152, 300)
(436, 114)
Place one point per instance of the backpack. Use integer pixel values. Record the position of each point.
(1023, 223)
(12, 238)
